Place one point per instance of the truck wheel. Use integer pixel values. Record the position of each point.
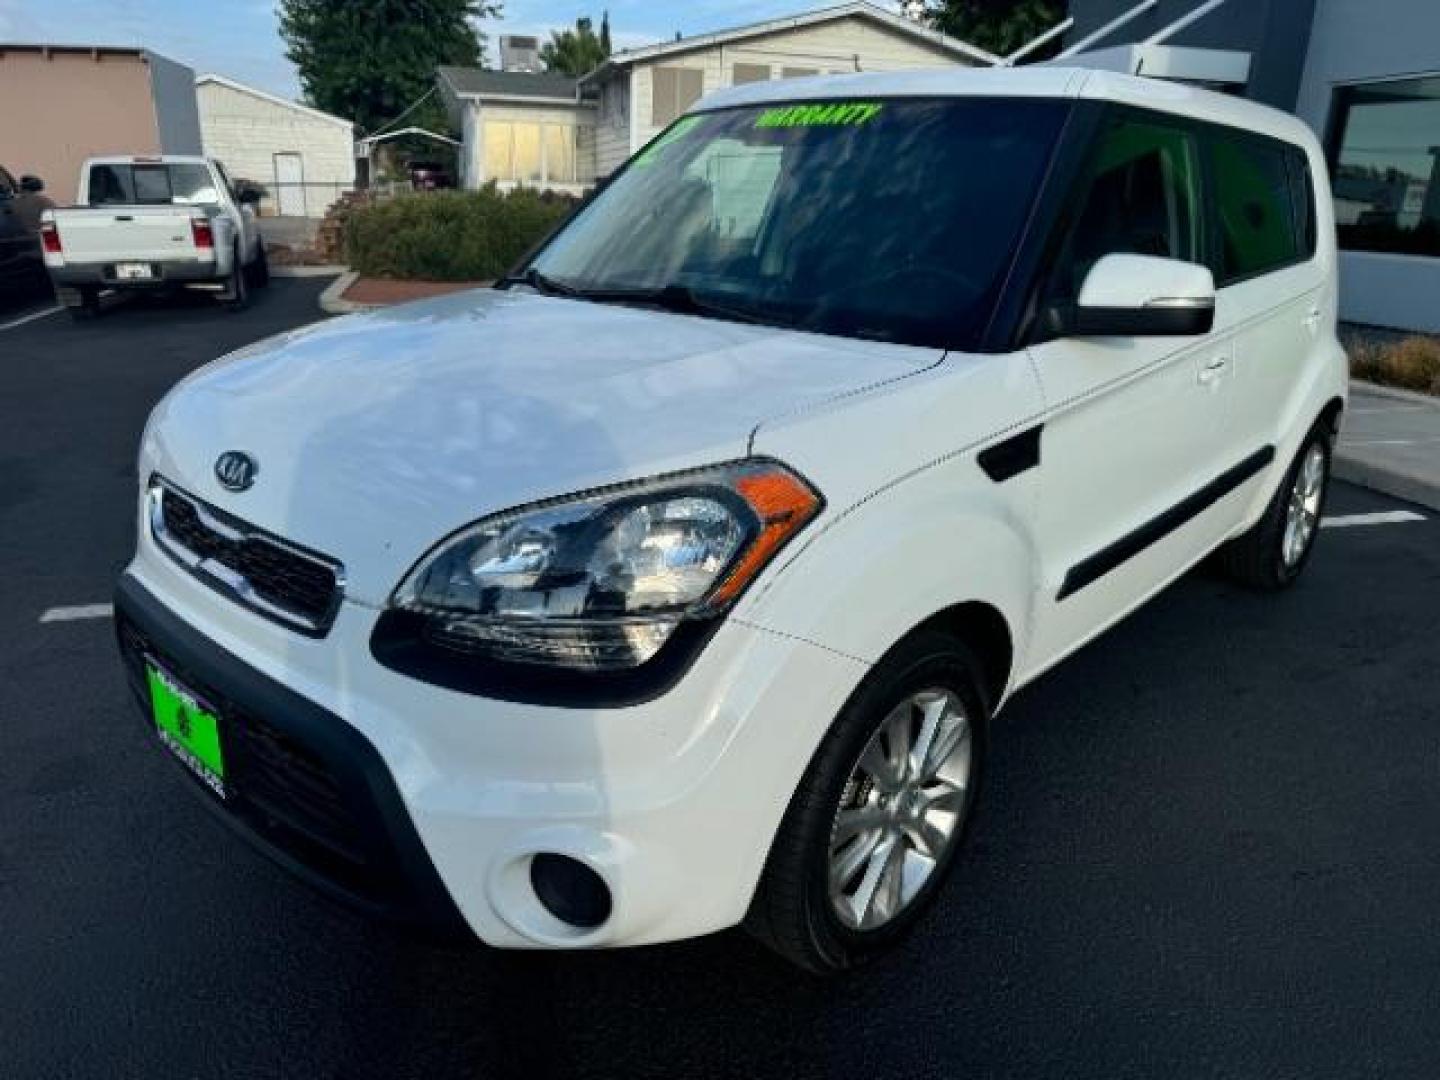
(236, 296)
(260, 268)
(874, 826)
(1273, 553)
(85, 305)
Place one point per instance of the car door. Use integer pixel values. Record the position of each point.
(1270, 286)
(1136, 427)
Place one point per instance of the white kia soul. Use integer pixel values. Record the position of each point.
(674, 583)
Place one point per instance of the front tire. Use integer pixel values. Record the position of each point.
(1276, 550)
(875, 824)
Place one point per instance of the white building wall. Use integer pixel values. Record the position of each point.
(245, 132)
(612, 127)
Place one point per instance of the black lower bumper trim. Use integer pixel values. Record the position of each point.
(309, 790)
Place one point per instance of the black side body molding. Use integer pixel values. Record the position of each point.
(1015, 455)
(1127, 547)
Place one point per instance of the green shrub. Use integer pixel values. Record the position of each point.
(450, 235)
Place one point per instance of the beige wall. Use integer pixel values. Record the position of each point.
(63, 109)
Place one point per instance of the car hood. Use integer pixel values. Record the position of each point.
(377, 435)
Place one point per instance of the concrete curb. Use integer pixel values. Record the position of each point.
(332, 300)
(305, 271)
(1414, 397)
(1387, 479)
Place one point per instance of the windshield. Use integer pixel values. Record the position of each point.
(889, 220)
(179, 185)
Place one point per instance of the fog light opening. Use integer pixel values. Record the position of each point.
(570, 890)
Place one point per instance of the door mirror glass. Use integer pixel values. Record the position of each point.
(1139, 296)
(32, 185)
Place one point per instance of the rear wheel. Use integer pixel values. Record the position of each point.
(237, 286)
(875, 824)
(85, 304)
(1276, 550)
(260, 268)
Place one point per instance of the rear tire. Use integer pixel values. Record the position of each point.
(86, 305)
(1276, 550)
(260, 268)
(236, 296)
(866, 816)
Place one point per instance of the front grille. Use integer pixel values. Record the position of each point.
(298, 588)
(280, 787)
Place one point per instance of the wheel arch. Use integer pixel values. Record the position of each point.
(983, 629)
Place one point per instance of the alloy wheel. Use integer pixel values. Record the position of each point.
(1302, 515)
(902, 809)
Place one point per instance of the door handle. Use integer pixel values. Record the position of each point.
(1213, 370)
(1312, 320)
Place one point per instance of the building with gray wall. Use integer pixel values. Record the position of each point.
(1365, 75)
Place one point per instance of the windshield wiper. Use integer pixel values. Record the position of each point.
(683, 300)
(674, 297)
(539, 282)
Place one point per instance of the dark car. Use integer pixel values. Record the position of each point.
(22, 264)
(429, 176)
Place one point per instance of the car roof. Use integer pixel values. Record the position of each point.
(1038, 81)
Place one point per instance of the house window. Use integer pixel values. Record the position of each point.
(531, 153)
(1385, 157)
(748, 73)
(798, 72)
(675, 90)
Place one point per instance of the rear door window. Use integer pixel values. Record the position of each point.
(1255, 207)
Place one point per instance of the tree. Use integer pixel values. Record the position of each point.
(998, 26)
(580, 51)
(370, 60)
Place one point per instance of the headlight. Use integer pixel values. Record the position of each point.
(600, 582)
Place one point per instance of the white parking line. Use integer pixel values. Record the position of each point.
(13, 323)
(1389, 517)
(76, 614)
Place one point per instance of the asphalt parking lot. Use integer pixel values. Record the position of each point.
(1207, 846)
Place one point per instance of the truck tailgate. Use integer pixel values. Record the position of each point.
(127, 234)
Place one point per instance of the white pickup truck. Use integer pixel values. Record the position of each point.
(152, 223)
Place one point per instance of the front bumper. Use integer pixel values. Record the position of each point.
(673, 802)
(311, 792)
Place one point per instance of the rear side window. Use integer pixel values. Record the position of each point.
(1255, 206)
(1142, 197)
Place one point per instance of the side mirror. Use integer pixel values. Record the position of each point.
(250, 196)
(1139, 296)
(32, 185)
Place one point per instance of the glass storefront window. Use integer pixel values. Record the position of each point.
(1386, 166)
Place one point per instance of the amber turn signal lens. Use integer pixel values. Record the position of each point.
(784, 504)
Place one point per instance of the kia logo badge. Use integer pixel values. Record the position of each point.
(236, 471)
